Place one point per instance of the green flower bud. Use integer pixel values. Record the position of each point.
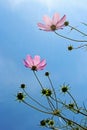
(56, 112)
(46, 73)
(46, 92)
(69, 123)
(66, 23)
(64, 88)
(20, 96)
(70, 48)
(51, 122)
(22, 85)
(71, 105)
(43, 123)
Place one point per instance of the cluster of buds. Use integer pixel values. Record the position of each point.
(56, 107)
(54, 103)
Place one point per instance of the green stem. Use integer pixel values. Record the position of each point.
(84, 24)
(35, 100)
(59, 101)
(77, 30)
(75, 40)
(50, 104)
(72, 99)
(53, 92)
(38, 80)
(36, 108)
(41, 87)
(66, 119)
(81, 46)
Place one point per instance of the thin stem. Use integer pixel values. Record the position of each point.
(72, 98)
(53, 91)
(66, 119)
(42, 88)
(81, 46)
(35, 100)
(38, 80)
(35, 108)
(50, 104)
(77, 30)
(59, 101)
(82, 113)
(84, 23)
(75, 40)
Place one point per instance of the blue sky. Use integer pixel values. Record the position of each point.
(19, 36)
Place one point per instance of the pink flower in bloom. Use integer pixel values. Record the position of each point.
(34, 63)
(52, 24)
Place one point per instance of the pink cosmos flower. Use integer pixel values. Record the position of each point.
(52, 24)
(34, 63)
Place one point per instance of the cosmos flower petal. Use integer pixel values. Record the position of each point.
(36, 60)
(29, 60)
(26, 64)
(52, 24)
(47, 20)
(34, 63)
(43, 62)
(62, 20)
(56, 18)
(41, 65)
(43, 27)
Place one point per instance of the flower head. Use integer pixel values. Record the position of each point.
(64, 88)
(20, 96)
(52, 24)
(34, 63)
(43, 123)
(46, 92)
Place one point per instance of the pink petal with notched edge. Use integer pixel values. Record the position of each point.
(55, 19)
(36, 60)
(43, 27)
(62, 20)
(42, 64)
(29, 60)
(41, 67)
(47, 20)
(26, 64)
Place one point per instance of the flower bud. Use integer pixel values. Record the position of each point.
(66, 23)
(46, 73)
(51, 123)
(20, 96)
(70, 48)
(23, 86)
(64, 88)
(43, 123)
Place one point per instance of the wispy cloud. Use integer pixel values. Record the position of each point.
(50, 4)
(15, 3)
